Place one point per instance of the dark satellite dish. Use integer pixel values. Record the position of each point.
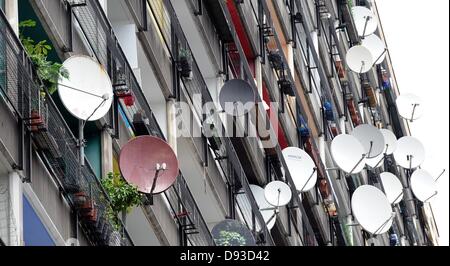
(237, 97)
(232, 233)
(149, 163)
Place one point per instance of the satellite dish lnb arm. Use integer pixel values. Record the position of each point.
(159, 169)
(307, 181)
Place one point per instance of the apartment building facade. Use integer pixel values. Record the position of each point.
(292, 53)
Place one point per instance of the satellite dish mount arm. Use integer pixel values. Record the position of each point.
(384, 224)
(81, 125)
(307, 181)
(159, 168)
(384, 156)
(413, 112)
(354, 168)
(368, 18)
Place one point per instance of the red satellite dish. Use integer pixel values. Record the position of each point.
(146, 158)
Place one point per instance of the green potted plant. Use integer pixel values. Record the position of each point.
(49, 72)
(185, 63)
(230, 239)
(123, 197)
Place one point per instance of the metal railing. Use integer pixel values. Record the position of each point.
(53, 137)
(105, 45)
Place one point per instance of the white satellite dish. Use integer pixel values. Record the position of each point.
(410, 152)
(410, 106)
(301, 167)
(278, 194)
(423, 185)
(372, 209)
(390, 146)
(360, 59)
(365, 20)
(348, 153)
(268, 212)
(376, 46)
(87, 93)
(393, 188)
(390, 140)
(371, 138)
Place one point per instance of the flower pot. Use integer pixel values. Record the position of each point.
(90, 216)
(276, 61)
(214, 141)
(286, 87)
(370, 92)
(185, 68)
(129, 100)
(340, 69)
(36, 120)
(80, 200)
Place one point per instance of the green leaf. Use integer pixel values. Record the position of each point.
(27, 24)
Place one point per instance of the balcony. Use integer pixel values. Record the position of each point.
(226, 157)
(100, 36)
(54, 141)
(247, 75)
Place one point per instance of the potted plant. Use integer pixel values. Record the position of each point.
(213, 137)
(127, 96)
(47, 71)
(286, 87)
(275, 60)
(80, 200)
(185, 63)
(230, 239)
(123, 197)
(129, 99)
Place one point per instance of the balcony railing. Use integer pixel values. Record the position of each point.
(98, 32)
(53, 139)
